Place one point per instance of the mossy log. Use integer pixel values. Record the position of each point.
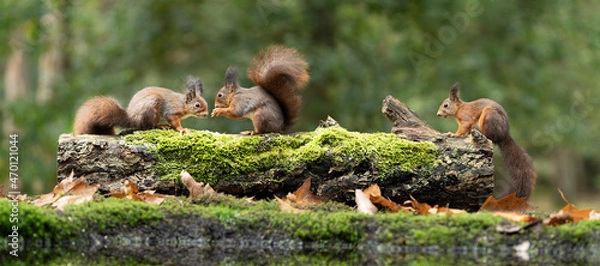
(414, 161)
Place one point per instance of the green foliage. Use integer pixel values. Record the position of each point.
(215, 157)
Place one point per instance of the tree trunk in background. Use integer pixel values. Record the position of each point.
(15, 78)
(52, 62)
(569, 172)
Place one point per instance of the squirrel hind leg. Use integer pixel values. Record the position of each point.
(494, 124)
(268, 121)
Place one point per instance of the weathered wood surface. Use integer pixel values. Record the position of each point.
(461, 177)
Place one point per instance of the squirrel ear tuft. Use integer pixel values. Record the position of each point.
(194, 87)
(454, 91)
(231, 76)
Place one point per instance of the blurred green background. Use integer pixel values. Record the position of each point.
(539, 59)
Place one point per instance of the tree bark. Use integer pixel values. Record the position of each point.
(460, 177)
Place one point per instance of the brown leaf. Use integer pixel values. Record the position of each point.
(508, 203)
(286, 207)
(81, 189)
(148, 196)
(303, 196)
(516, 217)
(18, 197)
(45, 199)
(385, 202)
(594, 215)
(118, 193)
(130, 191)
(375, 197)
(558, 219)
(129, 188)
(67, 186)
(57, 191)
(446, 210)
(71, 199)
(576, 215)
(363, 203)
(250, 200)
(373, 190)
(195, 188)
(420, 208)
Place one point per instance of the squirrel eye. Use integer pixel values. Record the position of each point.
(197, 105)
(445, 105)
(220, 95)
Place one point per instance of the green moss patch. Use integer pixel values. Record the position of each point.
(213, 157)
(125, 229)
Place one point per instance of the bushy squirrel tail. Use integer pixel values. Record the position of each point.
(100, 115)
(281, 71)
(520, 168)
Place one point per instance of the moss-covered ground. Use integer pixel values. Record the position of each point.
(222, 228)
(214, 157)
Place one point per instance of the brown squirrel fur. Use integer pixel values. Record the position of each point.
(273, 105)
(100, 115)
(490, 119)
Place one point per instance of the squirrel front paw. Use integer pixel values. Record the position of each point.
(216, 112)
(248, 133)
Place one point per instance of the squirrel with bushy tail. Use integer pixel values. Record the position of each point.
(274, 104)
(149, 106)
(489, 118)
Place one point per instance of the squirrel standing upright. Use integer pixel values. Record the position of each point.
(273, 105)
(490, 119)
(100, 115)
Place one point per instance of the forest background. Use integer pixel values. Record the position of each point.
(539, 59)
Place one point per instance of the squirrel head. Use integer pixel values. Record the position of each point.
(194, 102)
(450, 105)
(231, 85)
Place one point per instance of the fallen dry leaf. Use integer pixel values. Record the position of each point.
(81, 189)
(250, 200)
(420, 208)
(195, 188)
(45, 199)
(286, 207)
(363, 203)
(508, 204)
(71, 199)
(516, 217)
(445, 210)
(576, 215)
(392, 206)
(558, 219)
(68, 191)
(373, 190)
(375, 197)
(148, 196)
(303, 196)
(18, 197)
(130, 191)
(594, 215)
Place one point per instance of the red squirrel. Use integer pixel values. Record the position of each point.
(273, 105)
(100, 115)
(490, 119)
